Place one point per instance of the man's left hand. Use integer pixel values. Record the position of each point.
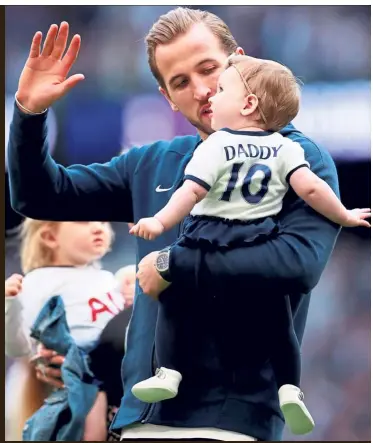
(151, 283)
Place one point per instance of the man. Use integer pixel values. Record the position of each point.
(228, 391)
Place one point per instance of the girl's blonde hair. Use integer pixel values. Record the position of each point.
(276, 87)
(34, 252)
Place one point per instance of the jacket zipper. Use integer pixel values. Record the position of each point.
(149, 409)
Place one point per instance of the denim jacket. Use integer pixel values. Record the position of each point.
(62, 417)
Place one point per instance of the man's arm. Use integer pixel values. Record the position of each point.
(291, 262)
(42, 189)
(39, 187)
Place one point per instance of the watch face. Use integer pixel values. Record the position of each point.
(162, 261)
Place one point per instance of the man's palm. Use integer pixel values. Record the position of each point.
(44, 77)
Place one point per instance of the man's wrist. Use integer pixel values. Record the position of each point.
(26, 108)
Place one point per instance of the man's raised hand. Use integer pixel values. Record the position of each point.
(44, 78)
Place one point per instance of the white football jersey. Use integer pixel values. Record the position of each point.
(91, 297)
(245, 172)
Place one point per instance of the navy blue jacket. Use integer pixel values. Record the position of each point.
(218, 389)
(62, 417)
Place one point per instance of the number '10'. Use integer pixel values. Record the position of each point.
(245, 188)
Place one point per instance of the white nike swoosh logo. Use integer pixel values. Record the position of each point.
(159, 189)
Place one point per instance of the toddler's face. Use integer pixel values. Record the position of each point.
(228, 101)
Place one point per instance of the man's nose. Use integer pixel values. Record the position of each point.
(202, 91)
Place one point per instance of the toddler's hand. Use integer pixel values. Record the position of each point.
(13, 285)
(357, 218)
(147, 228)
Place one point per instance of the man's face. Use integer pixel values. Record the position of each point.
(190, 67)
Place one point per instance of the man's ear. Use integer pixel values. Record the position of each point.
(167, 97)
(239, 51)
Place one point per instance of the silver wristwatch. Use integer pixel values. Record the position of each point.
(162, 264)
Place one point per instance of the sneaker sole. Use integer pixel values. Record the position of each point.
(299, 421)
(153, 395)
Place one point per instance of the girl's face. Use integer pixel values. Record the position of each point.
(78, 243)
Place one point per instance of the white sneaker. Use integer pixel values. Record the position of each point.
(163, 386)
(297, 417)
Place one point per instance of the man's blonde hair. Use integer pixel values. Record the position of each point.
(276, 87)
(178, 22)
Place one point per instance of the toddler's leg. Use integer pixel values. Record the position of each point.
(95, 425)
(285, 350)
(165, 384)
(286, 362)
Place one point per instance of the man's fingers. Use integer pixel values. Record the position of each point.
(35, 45)
(49, 41)
(61, 41)
(57, 360)
(51, 372)
(72, 53)
(70, 82)
(49, 381)
(46, 353)
(51, 357)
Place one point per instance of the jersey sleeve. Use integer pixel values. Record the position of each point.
(207, 162)
(37, 287)
(17, 336)
(292, 159)
(22, 311)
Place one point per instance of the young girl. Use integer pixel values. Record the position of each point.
(59, 259)
(234, 187)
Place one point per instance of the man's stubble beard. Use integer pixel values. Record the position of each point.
(201, 127)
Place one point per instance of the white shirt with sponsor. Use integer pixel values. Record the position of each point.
(245, 172)
(90, 296)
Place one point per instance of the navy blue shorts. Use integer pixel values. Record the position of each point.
(202, 231)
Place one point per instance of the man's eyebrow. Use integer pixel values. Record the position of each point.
(202, 62)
